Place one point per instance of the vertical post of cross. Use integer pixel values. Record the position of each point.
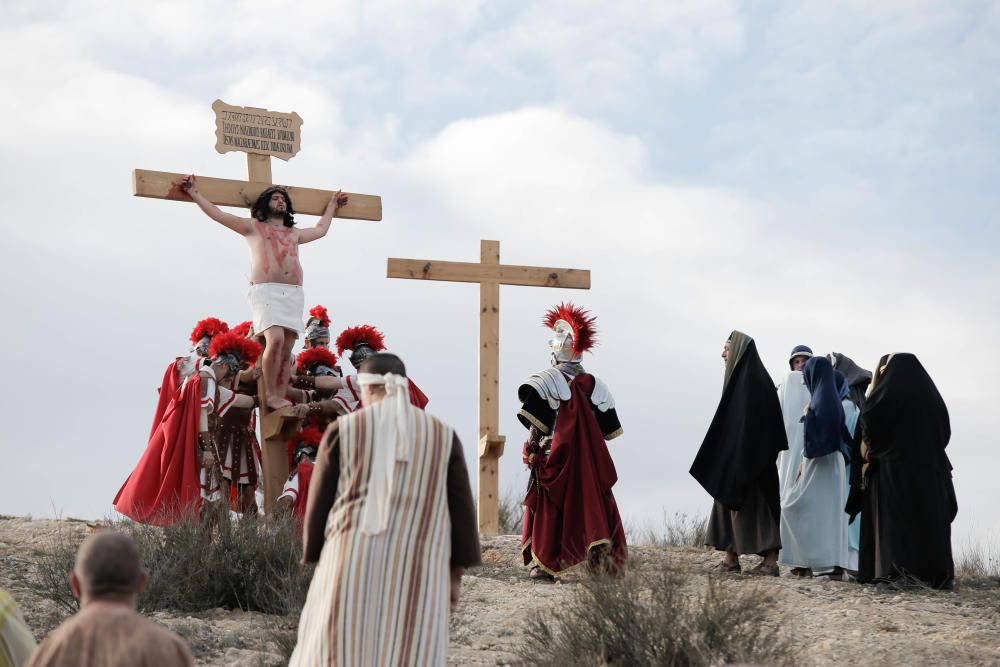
(490, 441)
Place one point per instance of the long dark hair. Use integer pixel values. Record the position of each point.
(262, 205)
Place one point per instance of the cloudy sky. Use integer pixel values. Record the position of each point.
(802, 172)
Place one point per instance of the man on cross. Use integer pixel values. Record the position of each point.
(275, 295)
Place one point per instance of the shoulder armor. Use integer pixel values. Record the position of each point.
(551, 385)
(601, 396)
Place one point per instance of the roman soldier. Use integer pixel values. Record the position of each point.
(570, 514)
(361, 342)
(182, 368)
(302, 448)
(318, 382)
(236, 436)
(180, 467)
(317, 328)
(223, 440)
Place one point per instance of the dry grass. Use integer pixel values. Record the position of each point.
(675, 530)
(649, 620)
(247, 564)
(511, 512)
(978, 564)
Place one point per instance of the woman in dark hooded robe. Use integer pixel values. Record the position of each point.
(908, 502)
(737, 462)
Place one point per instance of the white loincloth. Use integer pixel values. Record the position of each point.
(276, 304)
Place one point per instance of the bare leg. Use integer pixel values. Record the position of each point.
(285, 370)
(275, 358)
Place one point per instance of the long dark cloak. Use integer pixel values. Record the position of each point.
(747, 432)
(909, 501)
(824, 420)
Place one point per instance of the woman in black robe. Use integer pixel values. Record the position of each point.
(908, 502)
(737, 462)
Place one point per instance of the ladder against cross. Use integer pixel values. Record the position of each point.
(260, 134)
(490, 274)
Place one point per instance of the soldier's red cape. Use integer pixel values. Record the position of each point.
(305, 469)
(164, 488)
(168, 387)
(417, 397)
(571, 509)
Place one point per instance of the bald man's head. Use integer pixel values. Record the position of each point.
(108, 567)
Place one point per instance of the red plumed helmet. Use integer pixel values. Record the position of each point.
(320, 314)
(243, 328)
(310, 436)
(579, 320)
(315, 356)
(210, 326)
(365, 334)
(251, 351)
(228, 343)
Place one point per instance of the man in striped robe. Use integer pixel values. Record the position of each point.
(391, 521)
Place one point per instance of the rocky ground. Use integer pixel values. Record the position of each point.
(835, 623)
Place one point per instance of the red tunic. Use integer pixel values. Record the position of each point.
(305, 469)
(570, 509)
(164, 487)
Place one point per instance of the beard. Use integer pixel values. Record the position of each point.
(273, 212)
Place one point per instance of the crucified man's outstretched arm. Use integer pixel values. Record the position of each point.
(323, 225)
(237, 224)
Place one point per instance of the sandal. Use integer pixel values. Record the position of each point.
(536, 573)
(766, 570)
(729, 567)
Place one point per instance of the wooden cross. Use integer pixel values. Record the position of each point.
(490, 274)
(276, 427)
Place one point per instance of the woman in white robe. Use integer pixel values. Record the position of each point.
(814, 535)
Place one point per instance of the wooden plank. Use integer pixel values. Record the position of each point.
(489, 390)
(505, 274)
(259, 168)
(488, 506)
(276, 428)
(227, 192)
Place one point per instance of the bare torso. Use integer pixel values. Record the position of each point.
(274, 253)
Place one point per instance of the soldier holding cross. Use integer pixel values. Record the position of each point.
(275, 296)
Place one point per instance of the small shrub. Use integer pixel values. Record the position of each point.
(195, 566)
(652, 622)
(50, 575)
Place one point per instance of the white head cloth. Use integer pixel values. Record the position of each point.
(391, 442)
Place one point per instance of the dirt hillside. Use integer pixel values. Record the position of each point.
(835, 623)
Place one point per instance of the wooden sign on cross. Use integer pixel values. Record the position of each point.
(490, 274)
(260, 134)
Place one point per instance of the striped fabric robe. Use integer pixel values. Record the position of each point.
(383, 599)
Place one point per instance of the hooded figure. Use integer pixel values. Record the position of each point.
(813, 522)
(737, 460)
(909, 498)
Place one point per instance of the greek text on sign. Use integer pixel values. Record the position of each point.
(252, 130)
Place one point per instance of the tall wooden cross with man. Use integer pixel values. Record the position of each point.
(490, 274)
(262, 134)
